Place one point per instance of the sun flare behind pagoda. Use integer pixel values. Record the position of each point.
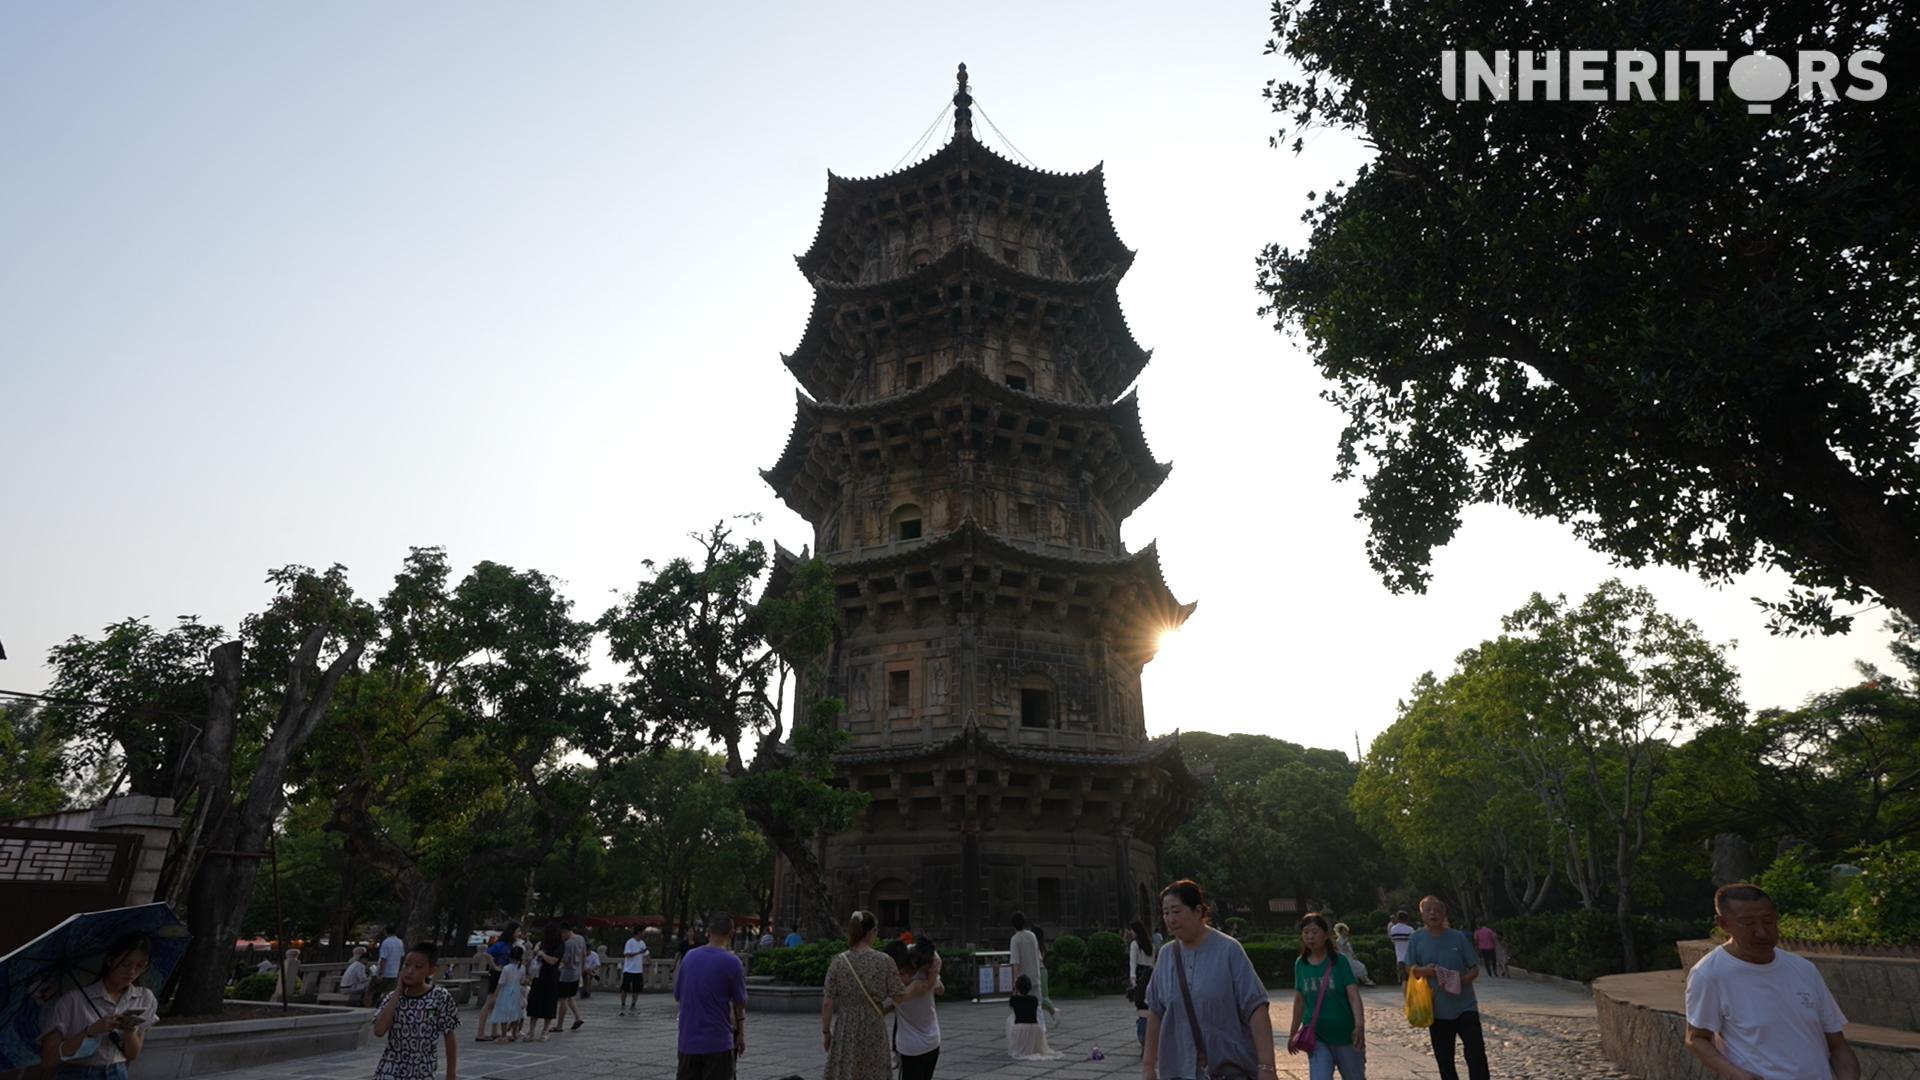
(966, 459)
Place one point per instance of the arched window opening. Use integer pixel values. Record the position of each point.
(906, 523)
(921, 258)
(1019, 377)
(1036, 701)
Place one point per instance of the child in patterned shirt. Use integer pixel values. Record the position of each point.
(412, 1017)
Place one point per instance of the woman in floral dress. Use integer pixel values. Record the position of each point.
(862, 986)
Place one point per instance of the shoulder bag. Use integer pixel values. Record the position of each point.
(1227, 1070)
(1305, 1040)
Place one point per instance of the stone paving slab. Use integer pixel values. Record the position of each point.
(1534, 1031)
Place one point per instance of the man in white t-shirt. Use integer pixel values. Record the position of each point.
(633, 973)
(392, 953)
(1401, 931)
(1755, 1013)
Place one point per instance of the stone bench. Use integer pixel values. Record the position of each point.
(329, 993)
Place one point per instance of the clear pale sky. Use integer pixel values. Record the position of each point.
(313, 283)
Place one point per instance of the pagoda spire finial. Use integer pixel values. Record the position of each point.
(962, 113)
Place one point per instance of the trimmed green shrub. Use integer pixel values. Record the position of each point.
(802, 966)
(1272, 963)
(1106, 961)
(1067, 947)
(1066, 975)
(256, 987)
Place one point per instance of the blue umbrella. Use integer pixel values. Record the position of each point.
(70, 956)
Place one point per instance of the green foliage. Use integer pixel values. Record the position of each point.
(1844, 769)
(1800, 889)
(1277, 821)
(256, 987)
(1550, 750)
(1067, 947)
(446, 757)
(31, 751)
(1879, 905)
(1566, 310)
(702, 659)
(679, 837)
(146, 689)
(1106, 961)
(1584, 945)
(806, 965)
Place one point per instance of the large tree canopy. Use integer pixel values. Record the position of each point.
(1684, 329)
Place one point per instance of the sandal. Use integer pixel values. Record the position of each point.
(486, 1038)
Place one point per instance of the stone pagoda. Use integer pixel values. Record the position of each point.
(966, 460)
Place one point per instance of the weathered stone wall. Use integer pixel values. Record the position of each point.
(1064, 882)
(1643, 1030)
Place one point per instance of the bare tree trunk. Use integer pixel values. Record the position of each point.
(238, 832)
(809, 881)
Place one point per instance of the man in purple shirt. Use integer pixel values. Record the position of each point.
(711, 986)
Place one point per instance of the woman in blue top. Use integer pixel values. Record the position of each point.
(1206, 1009)
(1327, 997)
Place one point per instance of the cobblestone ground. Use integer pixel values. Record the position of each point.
(1533, 1032)
(1536, 1031)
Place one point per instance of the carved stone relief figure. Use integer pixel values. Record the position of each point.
(862, 692)
(996, 509)
(938, 694)
(939, 510)
(999, 683)
(1057, 522)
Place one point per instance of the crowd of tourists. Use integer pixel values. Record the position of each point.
(1202, 1010)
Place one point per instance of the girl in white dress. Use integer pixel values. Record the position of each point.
(509, 1008)
(1026, 1035)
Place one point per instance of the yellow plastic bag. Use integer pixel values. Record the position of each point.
(1419, 1002)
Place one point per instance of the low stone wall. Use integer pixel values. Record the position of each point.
(186, 1050)
(784, 998)
(1643, 1030)
(1879, 990)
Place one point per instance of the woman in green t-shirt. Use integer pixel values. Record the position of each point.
(1337, 1017)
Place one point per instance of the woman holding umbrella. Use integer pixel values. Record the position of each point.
(94, 1031)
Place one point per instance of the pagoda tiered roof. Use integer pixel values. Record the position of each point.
(964, 168)
(1106, 357)
(1129, 590)
(966, 407)
(1163, 752)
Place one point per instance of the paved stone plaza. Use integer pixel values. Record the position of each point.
(1535, 1031)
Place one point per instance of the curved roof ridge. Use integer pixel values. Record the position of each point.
(1086, 284)
(1155, 751)
(974, 534)
(1138, 356)
(969, 375)
(843, 189)
(795, 452)
(954, 146)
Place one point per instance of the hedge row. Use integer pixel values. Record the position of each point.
(1584, 945)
